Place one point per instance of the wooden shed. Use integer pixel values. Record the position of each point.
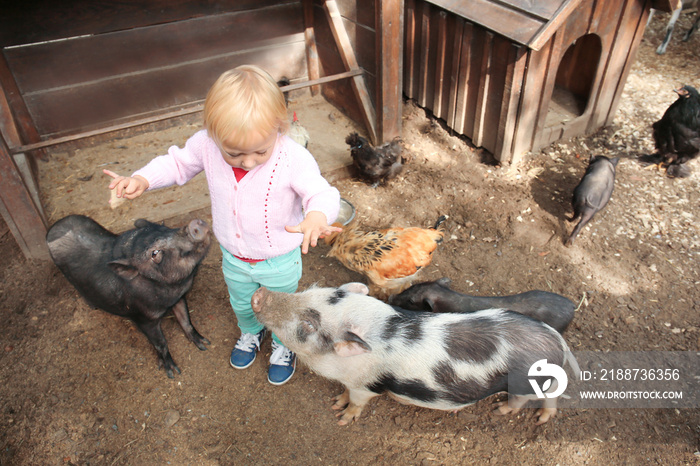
(512, 75)
(78, 68)
(517, 75)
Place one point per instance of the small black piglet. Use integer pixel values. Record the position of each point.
(554, 310)
(593, 192)
(141, 274)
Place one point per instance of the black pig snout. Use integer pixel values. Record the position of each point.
(198, 230)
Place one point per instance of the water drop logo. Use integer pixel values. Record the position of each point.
(542, 369)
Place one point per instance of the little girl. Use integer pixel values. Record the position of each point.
(268, 198)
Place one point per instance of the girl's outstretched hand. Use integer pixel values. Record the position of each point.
(313, 226)
(127, 187)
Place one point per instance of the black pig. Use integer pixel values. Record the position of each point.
(140, 274)
(593, 192)
(552, 309)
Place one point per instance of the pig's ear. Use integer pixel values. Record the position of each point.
(355, 287)
(445, 282)
(352, 345)
(142, 223)
(122, 268)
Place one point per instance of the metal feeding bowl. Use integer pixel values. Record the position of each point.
(347, 212)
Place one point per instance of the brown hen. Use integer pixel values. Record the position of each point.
(390, 258)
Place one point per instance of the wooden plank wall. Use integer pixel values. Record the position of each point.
(91, 64)
(45, 20)
(458, 70)
(359, 21)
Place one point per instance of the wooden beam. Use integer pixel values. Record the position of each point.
(20, 117)
(389, 53)
(347, 55)
(23, 217)
(8, 130)
(312, 63)
(26, 163)
(323, 80)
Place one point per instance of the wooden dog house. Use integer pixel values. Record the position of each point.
(517, 75)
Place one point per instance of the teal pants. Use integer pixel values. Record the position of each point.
(280, 273)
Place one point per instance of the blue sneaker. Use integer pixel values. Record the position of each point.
(283, 363)
(246, 348)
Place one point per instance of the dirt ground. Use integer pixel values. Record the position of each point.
(82, 387)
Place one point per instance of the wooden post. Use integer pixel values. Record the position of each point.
(409, 71)
(389, 53)
(22, 215)
(21, 120)
(310, 40)
(342, 40)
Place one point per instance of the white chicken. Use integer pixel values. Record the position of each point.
(298, 133)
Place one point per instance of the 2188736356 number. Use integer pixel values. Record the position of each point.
(639, 374)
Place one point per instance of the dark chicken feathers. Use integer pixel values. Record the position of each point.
(677, 133)
(375, 164)
(284, 81)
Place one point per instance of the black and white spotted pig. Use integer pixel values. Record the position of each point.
(439, 361)
(551, 308)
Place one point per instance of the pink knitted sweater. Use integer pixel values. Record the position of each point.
(249, 216)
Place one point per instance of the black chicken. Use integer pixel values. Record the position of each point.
(284, 81)
(375, 164)
(677, 133)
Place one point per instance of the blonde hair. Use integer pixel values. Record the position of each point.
(243, 100)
